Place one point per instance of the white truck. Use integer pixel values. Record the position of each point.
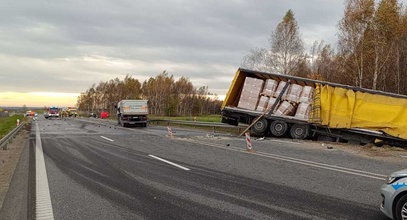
(132, 112)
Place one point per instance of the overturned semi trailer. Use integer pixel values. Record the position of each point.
(304, 108)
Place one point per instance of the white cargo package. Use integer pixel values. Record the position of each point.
(280, 88)
(133, 107)
(285, 108)
(306, 94)
(261, 107)
(271, 102)
(250, 93)
(269, 87)
(294, 92)
(303, 111)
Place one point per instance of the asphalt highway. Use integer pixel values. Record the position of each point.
(96, 170)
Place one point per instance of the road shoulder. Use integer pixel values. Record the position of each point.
(14, 178)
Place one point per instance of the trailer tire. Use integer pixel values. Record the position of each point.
(278, 128)
(299, 131)
(260, 126)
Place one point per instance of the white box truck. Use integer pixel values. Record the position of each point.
(132, 112)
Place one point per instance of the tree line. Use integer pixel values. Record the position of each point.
(166, 96)
(371, 50)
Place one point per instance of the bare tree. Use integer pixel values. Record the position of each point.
(259, 59)
(358, 16)
(385, 31)
(286, 45)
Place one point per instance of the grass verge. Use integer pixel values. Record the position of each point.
(8, 123)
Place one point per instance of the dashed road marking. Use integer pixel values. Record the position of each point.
(43, 205)
(106, 138)
(169, 162)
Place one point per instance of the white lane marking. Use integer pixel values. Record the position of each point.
(107, 138)
(169, 162)
(43, 205)
(300, 161)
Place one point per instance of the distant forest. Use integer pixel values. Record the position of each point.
(371, 50)
(165, 95)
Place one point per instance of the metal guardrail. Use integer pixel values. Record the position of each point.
(9, 137)
(198, 123)
(212, 125)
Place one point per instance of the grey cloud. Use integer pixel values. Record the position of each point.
(199, 39)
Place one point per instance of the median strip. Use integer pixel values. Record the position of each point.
(169, 162)
(43, 205)
(107, 138)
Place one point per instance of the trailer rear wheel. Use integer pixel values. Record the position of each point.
(299, 131)
(278, 128)
(260, 126)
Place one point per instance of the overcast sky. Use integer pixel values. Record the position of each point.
(65, 46)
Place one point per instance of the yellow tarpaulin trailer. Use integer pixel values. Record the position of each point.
(345, 108)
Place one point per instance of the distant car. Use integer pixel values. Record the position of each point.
(92, 115)
(394, 195)
(104, 115)
(29, 113)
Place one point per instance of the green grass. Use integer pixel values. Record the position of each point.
(8, 123)
(207, 118)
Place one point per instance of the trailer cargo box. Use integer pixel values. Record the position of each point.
(306, 108)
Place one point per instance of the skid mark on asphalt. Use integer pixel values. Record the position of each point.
(296, 160)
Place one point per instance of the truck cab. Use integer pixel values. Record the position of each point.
(72, 112)
(132, 112)
(53, 112)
